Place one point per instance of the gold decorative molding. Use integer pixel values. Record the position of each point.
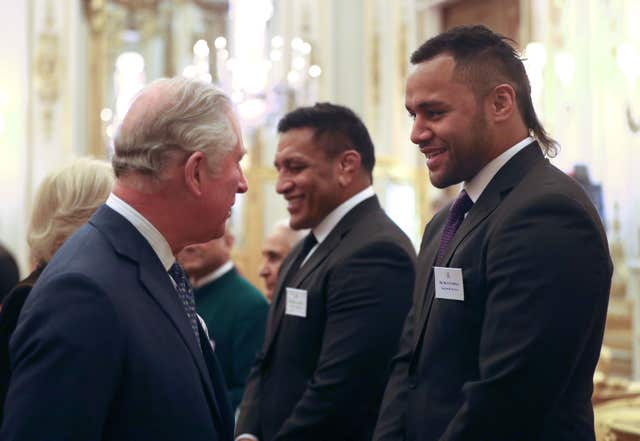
(97, 58)
(46, 69)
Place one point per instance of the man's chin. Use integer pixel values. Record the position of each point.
(441, 182)
(216, 234)
(297, 224)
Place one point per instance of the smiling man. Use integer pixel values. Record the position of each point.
(513, 278)
(341, 295)
(108, 345)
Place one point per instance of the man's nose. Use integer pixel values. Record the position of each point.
(283, 184)
(243, 186)
(420, 132)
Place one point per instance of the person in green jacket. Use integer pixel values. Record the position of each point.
(234, 311)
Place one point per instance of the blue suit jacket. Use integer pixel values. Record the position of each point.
(103, 349)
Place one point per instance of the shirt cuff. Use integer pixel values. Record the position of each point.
(247, 435)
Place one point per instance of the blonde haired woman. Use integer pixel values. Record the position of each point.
(65, 200)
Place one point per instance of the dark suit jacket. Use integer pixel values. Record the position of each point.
(11, 307)
(322, 377)
(515, 360)
(236, 314)
(103, 349)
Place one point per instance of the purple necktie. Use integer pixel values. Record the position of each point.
(461, 205)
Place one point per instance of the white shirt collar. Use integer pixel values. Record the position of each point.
(146, 228)
(215, 275)
(479, 182)
(331, 220)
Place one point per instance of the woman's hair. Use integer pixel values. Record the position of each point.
(65, 200)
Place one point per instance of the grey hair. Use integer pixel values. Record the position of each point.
(174, 117)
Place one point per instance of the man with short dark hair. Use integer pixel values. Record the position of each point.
(108, 344)
(513, 278)
(341, 295)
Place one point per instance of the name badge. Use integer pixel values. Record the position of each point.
(449, 283)
(296, 302)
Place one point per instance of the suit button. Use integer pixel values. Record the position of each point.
(412, 382)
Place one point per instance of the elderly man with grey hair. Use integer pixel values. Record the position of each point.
(108, 345)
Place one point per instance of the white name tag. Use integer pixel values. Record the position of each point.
(448, 283)
(296, 302)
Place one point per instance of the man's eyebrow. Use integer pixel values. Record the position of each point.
(294, 157)
(429, 103)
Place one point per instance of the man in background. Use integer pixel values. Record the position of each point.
(341, 295)
(275, 248)
(513, 277)
(108, 344)
(234, 311)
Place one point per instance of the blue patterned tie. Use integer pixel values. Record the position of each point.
(461, 205)
(185, 292)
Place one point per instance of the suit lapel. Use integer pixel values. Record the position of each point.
(128, 242)
(479, 212)
(318, 256)
(223, 412)
(497, 189)
(426, 260)
(277, 308)
(506, 178)
(282, 276)
(161, 289)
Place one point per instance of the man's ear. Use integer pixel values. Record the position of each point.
(349, 164)
(193, 172)
(502, 102)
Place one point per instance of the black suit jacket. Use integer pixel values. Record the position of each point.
(103, 349)
(322, 377)
(515, 360)
(11, 307)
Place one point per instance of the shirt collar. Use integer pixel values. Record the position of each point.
(215, 275)
(331, 220)
(479, 182)
(144, 227)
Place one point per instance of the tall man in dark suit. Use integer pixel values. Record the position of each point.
(341, 295)
(513, 278)
(108, 345)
